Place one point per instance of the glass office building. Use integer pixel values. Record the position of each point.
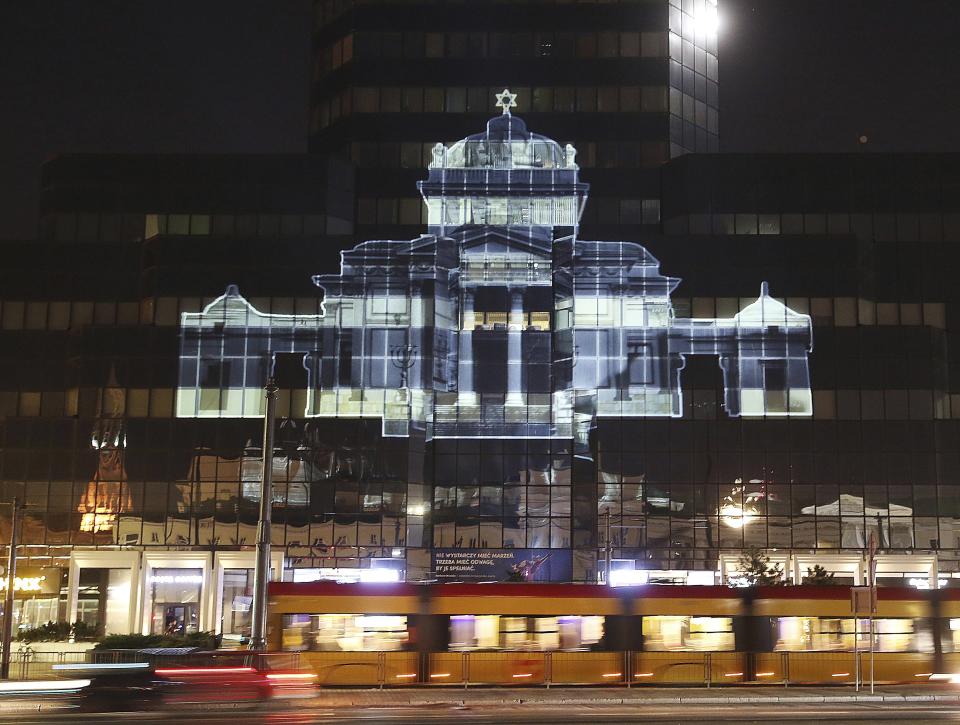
(630, 83)
(491, 349)
(481, 391)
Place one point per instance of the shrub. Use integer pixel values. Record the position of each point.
(818, 576)
(754, 569)
(201, 640)
(49, 632)
(83, 631)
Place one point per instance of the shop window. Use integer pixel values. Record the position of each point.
(236, 602)
(103, 599)
(175, 601)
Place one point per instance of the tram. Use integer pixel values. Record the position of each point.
(395, 634)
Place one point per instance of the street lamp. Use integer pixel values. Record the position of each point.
(258, 628)
(8, 598)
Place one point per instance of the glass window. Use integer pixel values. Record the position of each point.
(826, 633)
(200, 224)
(587, 45)
(629, 45)
(587, 99)
(344, 632)
(433, 100)
(366, 100)
(542, 99)
(669, 633)
(175, 600)
(608, 99)
(538, 634)
(178, 224)
(456, 100)
(237, 600)
(434, 45)
(412, 100)
(630, 98)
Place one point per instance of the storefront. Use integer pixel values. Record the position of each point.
(163, 592)
(36, 594)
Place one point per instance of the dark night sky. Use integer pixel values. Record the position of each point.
(232, 75)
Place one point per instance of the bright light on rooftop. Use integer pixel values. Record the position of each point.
(706, 21)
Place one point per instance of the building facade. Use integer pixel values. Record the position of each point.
(762, 355)
(499, 330)
(631, 84)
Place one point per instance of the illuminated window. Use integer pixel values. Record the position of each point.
(344, 632)
(673, 633)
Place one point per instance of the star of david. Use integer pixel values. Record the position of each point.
(506, 100)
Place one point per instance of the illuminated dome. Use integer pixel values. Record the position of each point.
(506, 144)
(507, 177)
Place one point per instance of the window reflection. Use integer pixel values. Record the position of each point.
(344, 632)
(684, 633)
(536, 634)
(827, 633)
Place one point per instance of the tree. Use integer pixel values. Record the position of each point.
(755, 570)
(818, 576)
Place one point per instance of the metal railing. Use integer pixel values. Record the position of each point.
(628, 669)
(545, 669)
(30, 664)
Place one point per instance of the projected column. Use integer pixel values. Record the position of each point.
(467, 395)
(515, 348)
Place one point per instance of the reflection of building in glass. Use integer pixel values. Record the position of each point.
(497, 323)
(107, 494)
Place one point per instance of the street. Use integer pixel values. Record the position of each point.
(528, 713)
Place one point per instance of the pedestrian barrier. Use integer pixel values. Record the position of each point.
(546, 669)
(703, 669)
(30, 664)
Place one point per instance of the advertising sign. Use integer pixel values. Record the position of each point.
(501, 565)
(33, 581)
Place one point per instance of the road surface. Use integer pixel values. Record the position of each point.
(528, 714)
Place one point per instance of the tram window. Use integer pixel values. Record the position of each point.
(829, 633)
(344, 632)
(951, 636)
(704, 634)
(538, 634)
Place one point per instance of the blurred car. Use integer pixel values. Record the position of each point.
(143, 686)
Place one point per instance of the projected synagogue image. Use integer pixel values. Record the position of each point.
(498, 322)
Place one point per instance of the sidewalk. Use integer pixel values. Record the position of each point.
(622, 696)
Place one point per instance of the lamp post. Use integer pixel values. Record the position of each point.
(258, 629)
(8, 598)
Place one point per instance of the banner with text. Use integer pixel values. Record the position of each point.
(542, 565)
